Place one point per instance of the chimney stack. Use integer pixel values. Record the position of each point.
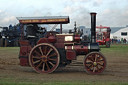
(93, 27)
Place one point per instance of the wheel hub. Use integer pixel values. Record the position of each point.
(95, 63)
(44, 58)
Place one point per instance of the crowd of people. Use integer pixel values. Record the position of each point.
(119, 41)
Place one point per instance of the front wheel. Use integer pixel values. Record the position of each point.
(94, 63)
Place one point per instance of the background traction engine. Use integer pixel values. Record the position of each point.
(57, 50)
(103, 35)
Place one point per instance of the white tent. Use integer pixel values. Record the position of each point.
(122, 33)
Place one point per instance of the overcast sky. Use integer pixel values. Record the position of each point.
(109, 12)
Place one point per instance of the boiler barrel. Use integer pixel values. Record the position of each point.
(84, 49)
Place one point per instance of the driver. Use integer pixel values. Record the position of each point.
(32, 30)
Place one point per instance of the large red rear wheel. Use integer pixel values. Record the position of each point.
(44, 58)
(94, 63)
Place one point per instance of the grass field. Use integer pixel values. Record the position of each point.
(119, 49)
(115, 74)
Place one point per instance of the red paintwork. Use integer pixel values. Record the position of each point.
(24, 52)
(101, 42)
(78, 48)
(71, 54)
(52, 39)
(24, 61)
(43, 40)
(59, 42)
(108, 39)
(77, 38)
(24, 42)
(81, 49)
(102, 26)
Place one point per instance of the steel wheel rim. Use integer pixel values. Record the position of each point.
(44, 58)
(94, 63)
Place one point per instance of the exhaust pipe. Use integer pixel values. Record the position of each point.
(93, 27)
(93, 46)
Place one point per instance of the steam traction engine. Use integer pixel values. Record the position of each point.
(10, 36)
(45, 54)
(103, 35)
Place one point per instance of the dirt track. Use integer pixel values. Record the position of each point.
(116, 71)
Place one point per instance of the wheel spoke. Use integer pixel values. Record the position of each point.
(52, 59)
(49, 51)
(99, 66)
(36, 61)
(51, 63)
(91, 67)
(88, 65)
(96, 58)
(36, 57)
(45, 49)
(37, 53)
(100, 59)
(43, 67)
(48, 68)
(100, 63)
(90, 58)
(89, 61)
(39, 64)
(41, 50)
(94, 69)
(52, 55)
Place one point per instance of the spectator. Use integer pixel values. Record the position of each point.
(112, 40)
(124, 41)
(118, 40)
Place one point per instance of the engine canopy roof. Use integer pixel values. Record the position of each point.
(44, 20)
